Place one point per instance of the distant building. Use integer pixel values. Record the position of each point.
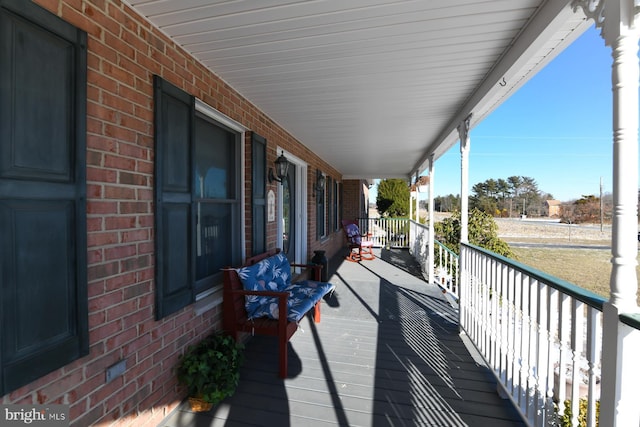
(552, 207)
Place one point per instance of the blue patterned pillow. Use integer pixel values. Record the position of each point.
(270, 274)
(353, 233)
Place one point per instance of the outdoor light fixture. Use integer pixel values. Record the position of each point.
(320, 180)
(282, 166)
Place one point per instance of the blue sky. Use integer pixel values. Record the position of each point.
(556, 129)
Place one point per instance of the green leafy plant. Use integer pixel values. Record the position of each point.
(483, 232)
(210, 369)
(564, 420)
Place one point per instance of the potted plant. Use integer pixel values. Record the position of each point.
(210, 370)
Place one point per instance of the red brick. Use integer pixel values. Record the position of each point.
(113, 192)
(135, 235)
(105, 331)
(101, 239)
(120, 222)
(106, 300)
(121, 281)
(101, 175)
(129, 178)
(117, 341)
(133, 207)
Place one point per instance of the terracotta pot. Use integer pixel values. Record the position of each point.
(199, 405)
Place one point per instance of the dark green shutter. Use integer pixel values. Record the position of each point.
(43, 256)
(330, 201)
(320, 208)
(258, 193)
(174, 120)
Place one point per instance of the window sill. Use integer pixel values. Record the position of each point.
(208, 300)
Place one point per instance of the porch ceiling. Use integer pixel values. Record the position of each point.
(374, 87)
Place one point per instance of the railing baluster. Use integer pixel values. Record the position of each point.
(494, 316)
(554, 351)
(524, 342)
(504, 323)
(594, 344)
(532, 380)
(510, 334)
(577, 342)
(543, 355)
(517, 335)
(564, 330)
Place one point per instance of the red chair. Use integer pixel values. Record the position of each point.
(359, 248)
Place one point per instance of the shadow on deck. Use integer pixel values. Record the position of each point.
(387, 352)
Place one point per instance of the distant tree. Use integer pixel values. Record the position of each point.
(447, 203)
(393, 198)
(515, 195)
(483, 232)
(503, 189)
(586, 210)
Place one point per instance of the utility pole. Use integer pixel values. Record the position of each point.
(601, 207)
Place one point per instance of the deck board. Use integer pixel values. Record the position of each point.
(387, 352)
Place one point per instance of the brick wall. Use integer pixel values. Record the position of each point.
(356, 195)
(124, 52)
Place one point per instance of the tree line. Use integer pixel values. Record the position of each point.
(507, 198)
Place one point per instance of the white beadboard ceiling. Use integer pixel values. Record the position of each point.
(374, 87)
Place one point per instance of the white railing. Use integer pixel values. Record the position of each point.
(447, 269)
(541, 336)
(419, 243)
(386, 232)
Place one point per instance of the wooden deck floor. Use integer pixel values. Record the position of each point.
(387, 352)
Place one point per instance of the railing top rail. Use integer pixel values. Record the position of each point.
(631, 319)
(446, 248)
(588, 297)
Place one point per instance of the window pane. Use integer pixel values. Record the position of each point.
(213, 236)
(214, 158)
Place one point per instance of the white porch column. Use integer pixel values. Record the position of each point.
(431, 219)
(411, 197)
(465, 143)
(621, 34)
(621, 344)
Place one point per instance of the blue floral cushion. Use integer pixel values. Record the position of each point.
(353, 233)
(274, 274)
(270, 274)
(303, 296)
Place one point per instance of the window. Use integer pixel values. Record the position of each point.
(43, 256)
(198, 221)
(216, 200)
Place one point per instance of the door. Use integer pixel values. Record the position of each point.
(291, 210)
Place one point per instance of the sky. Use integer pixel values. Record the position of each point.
(555, 129)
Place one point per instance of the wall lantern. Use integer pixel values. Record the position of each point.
(282, 167)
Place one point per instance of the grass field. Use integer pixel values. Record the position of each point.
(587, 268)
